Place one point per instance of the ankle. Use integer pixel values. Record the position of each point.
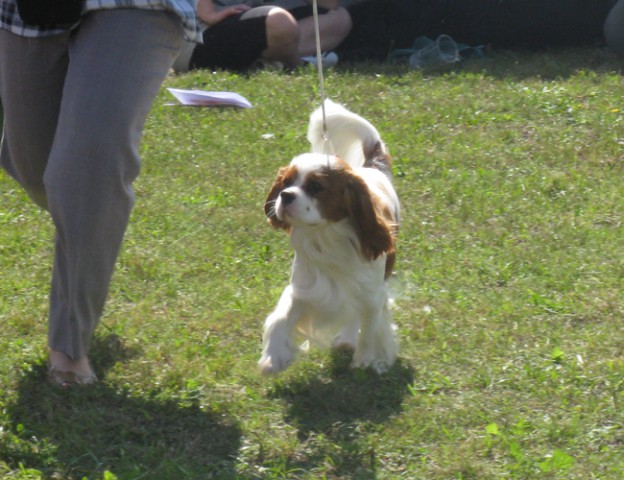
(62, 362)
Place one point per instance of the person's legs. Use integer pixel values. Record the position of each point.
(182, 63)
(334, 26)
(81, 167)
(32, 75)
(269, 33)
(234, 43)
(282, 32)
(118, 60)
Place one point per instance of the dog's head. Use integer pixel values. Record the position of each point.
(316, 190)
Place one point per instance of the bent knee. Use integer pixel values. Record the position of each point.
(341, 20)
(282, 26)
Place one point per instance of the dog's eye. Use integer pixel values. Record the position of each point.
(314, 188)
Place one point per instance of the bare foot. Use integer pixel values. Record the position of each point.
(64, 371)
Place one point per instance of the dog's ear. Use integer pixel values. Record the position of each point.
(376, 156)
(269, 204)
(373, 230)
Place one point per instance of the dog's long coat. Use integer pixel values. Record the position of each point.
(342, 214)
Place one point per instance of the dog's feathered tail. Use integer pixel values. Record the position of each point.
(350, 137)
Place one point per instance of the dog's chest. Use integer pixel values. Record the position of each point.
(331, 250)
(329, 270)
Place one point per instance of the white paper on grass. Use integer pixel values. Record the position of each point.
(208, 99)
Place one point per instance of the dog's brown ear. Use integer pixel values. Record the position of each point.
(269, 204)
(376, 156)
(373, 230)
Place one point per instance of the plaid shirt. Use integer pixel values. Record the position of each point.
(185, 9)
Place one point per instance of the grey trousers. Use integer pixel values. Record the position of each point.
(75, 106)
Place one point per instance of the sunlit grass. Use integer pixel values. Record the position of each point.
(509, 291)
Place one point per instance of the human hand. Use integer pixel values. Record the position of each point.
(234, 10)
(207, 12)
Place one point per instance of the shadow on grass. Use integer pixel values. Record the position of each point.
(82, 432)
(336, 407)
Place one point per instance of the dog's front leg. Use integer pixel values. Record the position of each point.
(376, 346)
(279, 348)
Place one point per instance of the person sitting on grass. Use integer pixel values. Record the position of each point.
(240, 36)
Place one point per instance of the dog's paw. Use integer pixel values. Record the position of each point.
(361, 359)
(379, 361)
(376, 349)
(379, 366)
(273, 362)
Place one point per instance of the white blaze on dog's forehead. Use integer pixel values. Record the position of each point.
(311, 162)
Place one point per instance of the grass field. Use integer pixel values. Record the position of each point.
(510, 300)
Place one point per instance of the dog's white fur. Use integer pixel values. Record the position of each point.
(338, 294)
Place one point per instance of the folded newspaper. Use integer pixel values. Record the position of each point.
(208, 99)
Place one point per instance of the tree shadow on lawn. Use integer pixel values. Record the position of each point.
(334, 408)
(82, 432)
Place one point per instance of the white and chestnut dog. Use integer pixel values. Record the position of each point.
(342, 214)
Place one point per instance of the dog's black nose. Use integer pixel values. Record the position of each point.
(287, 197)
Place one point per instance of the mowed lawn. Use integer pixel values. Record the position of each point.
(509, 290)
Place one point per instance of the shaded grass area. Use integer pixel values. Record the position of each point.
(509, 291)
(78, 433)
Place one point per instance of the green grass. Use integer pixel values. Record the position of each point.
(510, 303)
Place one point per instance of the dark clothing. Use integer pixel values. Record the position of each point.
(238, 41)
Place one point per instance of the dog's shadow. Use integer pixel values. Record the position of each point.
(80, 432)
(351, 395)
(335, 408)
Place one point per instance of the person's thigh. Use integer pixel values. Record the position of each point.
(118, 60)
(32, 75)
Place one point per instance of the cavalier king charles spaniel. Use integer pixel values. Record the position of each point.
(342, 214)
